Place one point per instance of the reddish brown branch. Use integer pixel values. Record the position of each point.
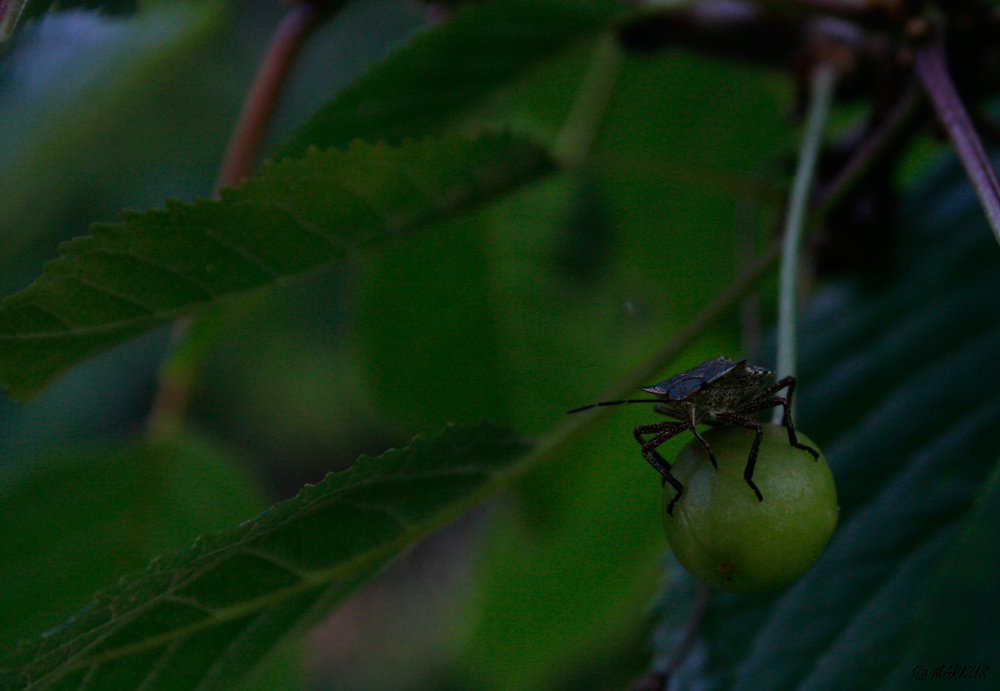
(288, 39)
(932, 69)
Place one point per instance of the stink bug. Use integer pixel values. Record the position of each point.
(719, 390)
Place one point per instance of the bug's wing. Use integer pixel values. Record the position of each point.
(682, 385)
(675, 388)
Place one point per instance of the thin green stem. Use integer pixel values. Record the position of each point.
(821, 96)
(592, 98)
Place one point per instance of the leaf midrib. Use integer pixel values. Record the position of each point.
(309, 581)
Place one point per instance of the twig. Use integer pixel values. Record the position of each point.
(10, 12)
(821, 95)
(286, 43)
(932, 69)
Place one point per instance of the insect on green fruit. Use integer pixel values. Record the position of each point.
(719, 390)
(727, 539)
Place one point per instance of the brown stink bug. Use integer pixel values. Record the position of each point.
(717, 391)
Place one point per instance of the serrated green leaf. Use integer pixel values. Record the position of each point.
(206, 615)
(895, 387)
(79, 520)
(425, 85)
(296, 216)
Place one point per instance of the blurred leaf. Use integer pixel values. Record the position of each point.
(431, 350)
(428, 83)
(893, 386)
(80, 520)
(281, 670)
(567, 571)
(39, 8)
(499, 326)
(209, 613)
(296, 216)
(10, 12)
(73, 81)
(958, 615)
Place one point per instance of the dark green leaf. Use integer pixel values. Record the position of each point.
(297, 215)
(896, 386)
(958, 620)
(80, 520)
(427, 84)
(207, 614)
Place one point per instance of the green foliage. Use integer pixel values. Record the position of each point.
(208, 613)
(85, 518)
(428, 83)
(74, 82)
(894, 386)
(409, 266)
(296, 216)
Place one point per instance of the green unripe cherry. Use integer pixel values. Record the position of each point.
(728, 539)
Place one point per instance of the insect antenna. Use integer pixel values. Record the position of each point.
(631, 400)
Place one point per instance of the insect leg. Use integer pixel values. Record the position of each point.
(766, 399)
(704, 442)
(661, 431)
(751, 424)
(777, 386)
(688, 420)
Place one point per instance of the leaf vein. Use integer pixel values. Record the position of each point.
(166, 268)
(242, 252)
(211, 674)
(273, 559)
(111, 292)
(168, 652)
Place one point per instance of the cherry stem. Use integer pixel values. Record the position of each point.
(932, 69)
(10, 12)
(821, 95)
(573, 143)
